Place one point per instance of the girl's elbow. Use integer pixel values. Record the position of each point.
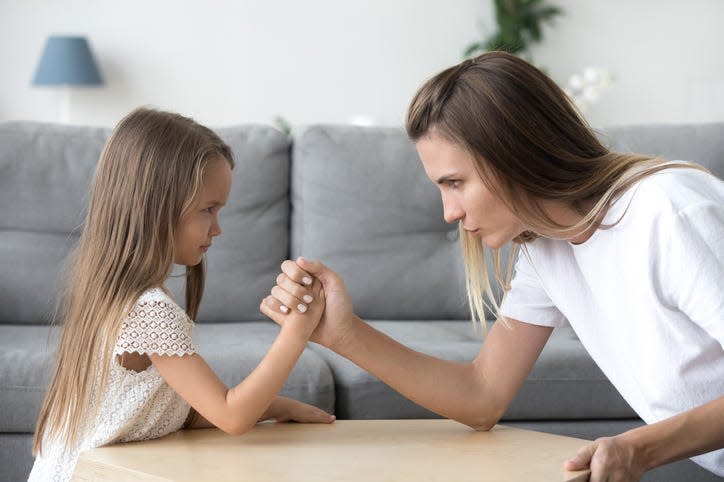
(236, 427)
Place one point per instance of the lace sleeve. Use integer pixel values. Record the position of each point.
(156, 325)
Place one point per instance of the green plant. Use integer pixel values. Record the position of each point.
(282, 125)
(519, 26)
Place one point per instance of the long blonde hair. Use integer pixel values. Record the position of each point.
(529, 144)
(147, 177)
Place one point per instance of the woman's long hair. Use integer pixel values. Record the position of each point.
(529, 144)
(146, 180)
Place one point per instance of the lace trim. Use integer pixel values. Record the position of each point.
(156, 325)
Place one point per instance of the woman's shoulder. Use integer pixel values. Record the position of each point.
(677, 189)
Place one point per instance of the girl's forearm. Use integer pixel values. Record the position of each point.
(687, 434)
(252, 398)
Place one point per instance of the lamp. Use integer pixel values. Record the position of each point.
(66, 62)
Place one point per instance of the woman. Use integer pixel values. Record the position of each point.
(627, 249)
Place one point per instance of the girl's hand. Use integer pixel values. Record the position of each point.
(610, 459)
(293, 284)
(288, 410)
(307, 311)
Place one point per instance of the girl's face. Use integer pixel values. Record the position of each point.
(464, 195)
(197, 227)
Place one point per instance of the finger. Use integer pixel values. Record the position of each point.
(296, 274)
(267, 309)
(319, 270)
(288, 299)
(276, 305)
(582, 459)
(301, 293)
(317, 415)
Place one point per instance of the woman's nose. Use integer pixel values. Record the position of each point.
(452, 212)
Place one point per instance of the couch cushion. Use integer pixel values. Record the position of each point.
(233, 350)
(361, 202)
(45, 176)
(692, 142)
(245, 260)
(565, 383)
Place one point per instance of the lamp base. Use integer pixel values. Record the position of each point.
(65, 104)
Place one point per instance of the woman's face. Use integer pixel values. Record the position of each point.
(464, 195)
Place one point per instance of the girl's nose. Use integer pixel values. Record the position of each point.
(215, 228)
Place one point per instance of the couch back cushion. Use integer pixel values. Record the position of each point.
(361, 202)
(701, 143)
(45, 176)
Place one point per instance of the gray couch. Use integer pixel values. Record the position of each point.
(356, 198)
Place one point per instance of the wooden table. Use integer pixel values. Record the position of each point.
(349, 450)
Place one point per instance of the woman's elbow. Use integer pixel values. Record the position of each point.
(484, 420)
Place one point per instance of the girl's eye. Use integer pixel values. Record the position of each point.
(207, 210)
(454, 184)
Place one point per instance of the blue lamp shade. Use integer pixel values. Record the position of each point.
(67, 61)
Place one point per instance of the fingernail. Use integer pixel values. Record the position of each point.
(308, 298)
(284, 309)
(302, 307)
(307, 280)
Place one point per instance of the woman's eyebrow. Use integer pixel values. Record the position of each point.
(447, 177)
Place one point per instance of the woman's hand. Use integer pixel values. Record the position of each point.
(610, 459)
(285, 409)
(293, 284)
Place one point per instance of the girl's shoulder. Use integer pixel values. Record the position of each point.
(156, 324)
(157, 302)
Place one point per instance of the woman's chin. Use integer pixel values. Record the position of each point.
(494, 242)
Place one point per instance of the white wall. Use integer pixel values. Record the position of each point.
(229, 62)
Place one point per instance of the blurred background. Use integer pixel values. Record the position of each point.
(227, 62)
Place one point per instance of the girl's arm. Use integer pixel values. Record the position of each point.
(476, 394)
(281, 409)
(238, 409)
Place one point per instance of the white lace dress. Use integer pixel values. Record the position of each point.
(135, 405)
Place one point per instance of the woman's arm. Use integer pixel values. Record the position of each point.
(476, 394)
(628, 455)
(238, 409)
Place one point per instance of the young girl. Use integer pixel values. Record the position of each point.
(127, 368)
(626, 249)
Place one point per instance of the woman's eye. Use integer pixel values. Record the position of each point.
(207, 210)
(454, 184)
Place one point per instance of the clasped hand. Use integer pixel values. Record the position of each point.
(296, 288)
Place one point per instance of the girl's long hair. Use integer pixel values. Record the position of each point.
(529, 143)
(146, 180)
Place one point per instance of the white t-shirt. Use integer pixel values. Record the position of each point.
(646, 297)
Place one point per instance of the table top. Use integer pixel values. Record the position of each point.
(350, 450)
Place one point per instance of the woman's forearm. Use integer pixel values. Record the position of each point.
(687, 434)
(451, 389)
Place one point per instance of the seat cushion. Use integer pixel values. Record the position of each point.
(565, 383)
(233, 350)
